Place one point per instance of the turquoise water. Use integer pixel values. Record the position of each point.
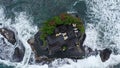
(5, 66)
(41, 10)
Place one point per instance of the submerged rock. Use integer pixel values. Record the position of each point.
(8, 34)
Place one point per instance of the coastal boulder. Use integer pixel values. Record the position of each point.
(7, 51)
(18, 55)
(8, 34)
(105, 54)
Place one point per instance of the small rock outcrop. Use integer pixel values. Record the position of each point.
(19, 52)
(105, 54)
(8, 34)
(8, 51)
(18, 55)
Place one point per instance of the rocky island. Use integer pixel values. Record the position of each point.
(62, 37)
(59, 37)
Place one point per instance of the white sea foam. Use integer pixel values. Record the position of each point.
(25, 31)
(23, 25)
(105, 16)
(91, 37)
(103, 32)
(38, 66)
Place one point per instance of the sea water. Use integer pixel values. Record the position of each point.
(101, 19)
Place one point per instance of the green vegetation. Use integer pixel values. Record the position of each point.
(64, 47)
(63, 19)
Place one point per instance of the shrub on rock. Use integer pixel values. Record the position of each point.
(64, 19)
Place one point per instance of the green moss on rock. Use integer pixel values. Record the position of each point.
(64, 19)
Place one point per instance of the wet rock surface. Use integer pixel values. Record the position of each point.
(18, 52)
(8, 34)
(67, 44)
(18, 55)
(59, 47)
(64, 43)
(105, 54)
(10, 48)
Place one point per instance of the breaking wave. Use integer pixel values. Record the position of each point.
(102, 30)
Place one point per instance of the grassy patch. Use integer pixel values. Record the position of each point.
(64, 19)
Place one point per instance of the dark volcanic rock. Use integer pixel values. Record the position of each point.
(38, 45)
(8, 34)
(31, 42)
(63, 40)
(18, 55)
(58, 46)
(70, 47)
(19, 52)
(19, 48)
(105, 54)
(8, 51)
